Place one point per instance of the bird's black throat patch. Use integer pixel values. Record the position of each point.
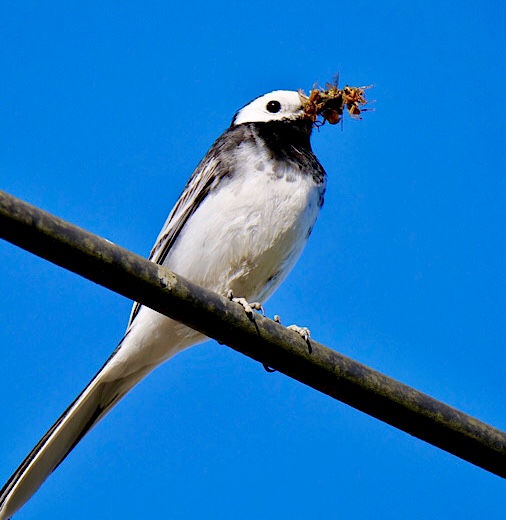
(290, 141)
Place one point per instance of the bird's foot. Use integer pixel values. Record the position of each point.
(248, 307)
(304, 332)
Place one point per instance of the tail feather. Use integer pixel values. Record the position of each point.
(85, 412)
(140, 351)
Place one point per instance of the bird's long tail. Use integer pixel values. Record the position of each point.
(126, 367)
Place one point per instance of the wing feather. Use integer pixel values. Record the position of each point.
(206, 177)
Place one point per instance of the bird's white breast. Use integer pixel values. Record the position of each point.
(248, 233)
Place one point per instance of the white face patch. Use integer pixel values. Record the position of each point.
(276, 106)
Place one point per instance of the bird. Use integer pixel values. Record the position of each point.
(238, 228)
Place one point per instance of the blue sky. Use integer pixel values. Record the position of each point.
(106, 108)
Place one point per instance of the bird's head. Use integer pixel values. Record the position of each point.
(289, 106)
(279, 105)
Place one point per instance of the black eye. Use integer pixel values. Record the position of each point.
(273, 106)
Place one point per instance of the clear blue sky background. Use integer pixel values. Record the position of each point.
(105, 110)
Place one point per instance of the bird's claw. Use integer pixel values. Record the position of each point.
(248, 307)
(304, 332)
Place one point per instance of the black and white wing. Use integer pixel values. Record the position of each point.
(206, 178)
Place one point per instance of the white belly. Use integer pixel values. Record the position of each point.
(247, 235)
